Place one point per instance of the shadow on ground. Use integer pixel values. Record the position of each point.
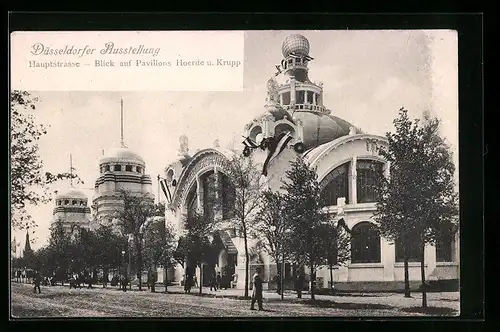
(435, 311)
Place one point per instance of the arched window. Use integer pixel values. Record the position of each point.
(139, 169)
(73, 202)
(337, 185)
(366, 179)
(66, 202)
(128, 168)
(365, 244)
(283, 127)
(117, 168)
(413, 251)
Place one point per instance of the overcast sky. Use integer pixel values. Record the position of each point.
(368, 76)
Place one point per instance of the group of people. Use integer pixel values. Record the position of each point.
(217, 281)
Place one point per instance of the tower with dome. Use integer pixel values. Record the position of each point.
(345, 160)
(71, 208)
(119, 169)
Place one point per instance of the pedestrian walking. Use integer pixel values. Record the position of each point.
(195, 281)
(213, 283)
(299, 284)
(124, 283)
(218, 280)
(37, 279)
(105, 280)
(18, 276)
(188, 283)
(257, 290)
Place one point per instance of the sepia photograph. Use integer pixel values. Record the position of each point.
(259, 173)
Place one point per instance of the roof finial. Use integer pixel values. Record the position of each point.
(183, 148)
(121, 122)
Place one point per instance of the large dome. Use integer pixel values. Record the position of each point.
(73, 193)
(297, 44)
(122, 155)
(321, 128)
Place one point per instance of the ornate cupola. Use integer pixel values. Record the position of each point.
(295, 107)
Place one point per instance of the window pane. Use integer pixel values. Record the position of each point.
(337, 185)
(366, 176)
(128, 168)
(117, 168)
(365, 244)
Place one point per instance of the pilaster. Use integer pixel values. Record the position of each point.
(353, 181)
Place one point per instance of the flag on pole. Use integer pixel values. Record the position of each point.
(294, 55)
(166, 191)
(249, 143)
(277, 146)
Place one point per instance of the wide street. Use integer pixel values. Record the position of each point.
(60, 301)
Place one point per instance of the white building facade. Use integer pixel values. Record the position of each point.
(343, 157)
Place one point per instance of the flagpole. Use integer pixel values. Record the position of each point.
(158, 184)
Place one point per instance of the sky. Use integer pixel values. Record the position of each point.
(367, 75)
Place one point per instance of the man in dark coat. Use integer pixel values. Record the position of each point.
(257, 290)
(36, 280)
(299, 284)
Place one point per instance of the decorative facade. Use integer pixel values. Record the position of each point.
(344, 158)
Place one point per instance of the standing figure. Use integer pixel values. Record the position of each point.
(218, 280)
(195, 281)
(37, 279)
(188, 283)
(299, 284)
(105, 280)
(257, 290)
(213, 282)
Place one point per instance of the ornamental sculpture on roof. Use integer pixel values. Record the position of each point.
(272, 91)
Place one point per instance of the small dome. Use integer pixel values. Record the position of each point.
(122, 155)
(73, 193)
(297, 44)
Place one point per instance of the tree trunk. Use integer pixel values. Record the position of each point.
(278, 284)
(282, 280)
(201, 278)
(313, 279)
(407, 277)
(331, 278)
(422, 273)
(139, 263)
(247, 259)
(165, 277)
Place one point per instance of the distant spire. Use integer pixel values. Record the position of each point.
(121, 122)
(27, 246)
